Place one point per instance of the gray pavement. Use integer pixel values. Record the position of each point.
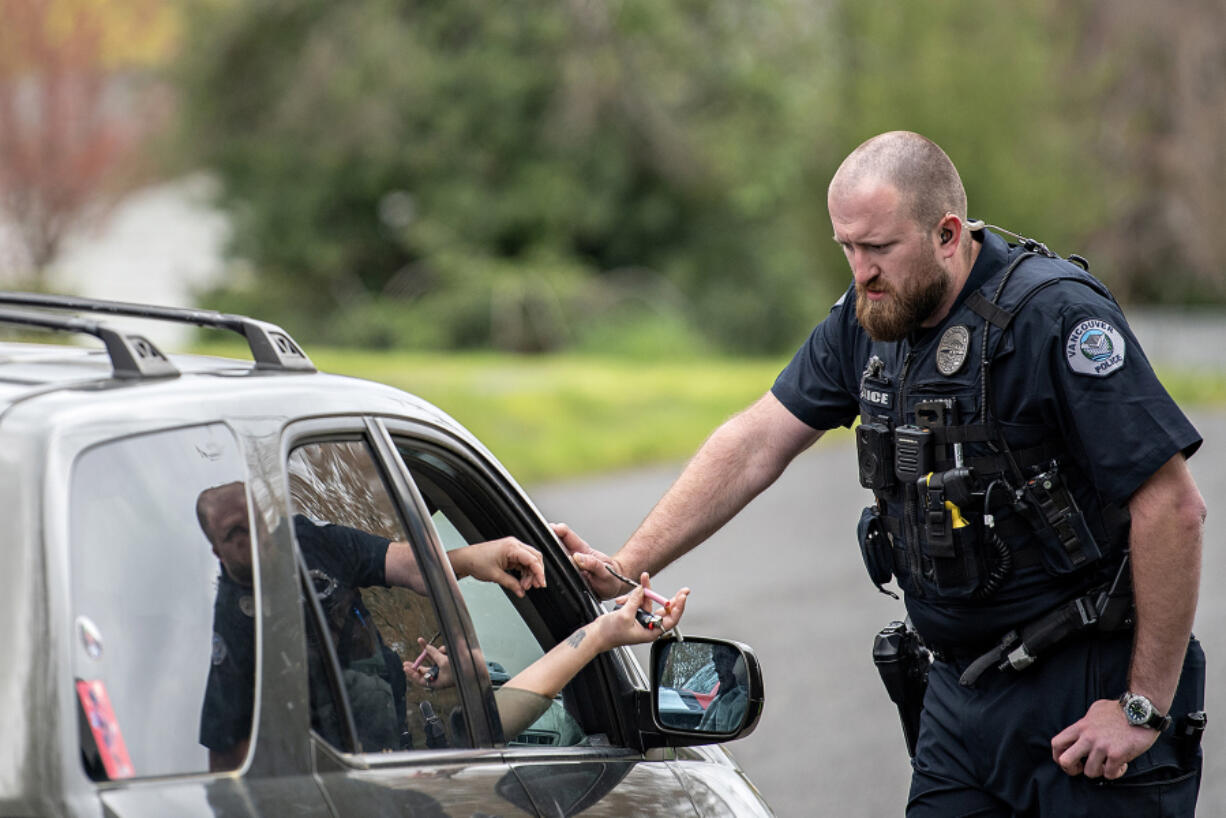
(785, 576)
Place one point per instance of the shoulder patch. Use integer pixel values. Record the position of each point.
(1094, 347)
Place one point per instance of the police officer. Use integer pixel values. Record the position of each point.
(1018, 446)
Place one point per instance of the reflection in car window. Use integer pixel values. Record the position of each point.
(349, 534)
(462, 513)
(144, 579)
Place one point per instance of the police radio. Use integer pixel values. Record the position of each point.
(912, 453)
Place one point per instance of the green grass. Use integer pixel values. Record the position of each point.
(555, 416)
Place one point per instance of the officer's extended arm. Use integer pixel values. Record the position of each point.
(1168, 516)
(740, 459)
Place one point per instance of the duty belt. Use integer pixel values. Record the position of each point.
(1108, 608)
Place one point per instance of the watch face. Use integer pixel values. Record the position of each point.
(1138, 710)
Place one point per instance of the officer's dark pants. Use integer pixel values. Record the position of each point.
(986, 751)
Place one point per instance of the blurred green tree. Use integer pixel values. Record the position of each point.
(461, 173)
(571, 172)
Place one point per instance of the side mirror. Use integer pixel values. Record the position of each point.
(704, 689)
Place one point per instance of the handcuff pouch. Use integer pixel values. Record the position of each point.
(875, 547)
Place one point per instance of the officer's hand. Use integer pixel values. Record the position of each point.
(590, 563)
(494, 561)
(1101, 743)
(424, 674)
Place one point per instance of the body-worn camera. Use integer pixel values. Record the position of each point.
(875, 452)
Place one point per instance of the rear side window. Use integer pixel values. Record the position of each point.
(145, 578)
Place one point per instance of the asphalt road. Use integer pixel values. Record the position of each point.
(785, 577)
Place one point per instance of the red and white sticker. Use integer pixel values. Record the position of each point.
(105, 728)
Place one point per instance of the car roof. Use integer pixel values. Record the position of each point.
(58, 379)
(28, 369)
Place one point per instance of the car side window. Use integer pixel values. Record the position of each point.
(511, 635)
(353, 547)
(145, 583)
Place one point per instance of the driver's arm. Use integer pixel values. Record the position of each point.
(507, 561)
(549, 674)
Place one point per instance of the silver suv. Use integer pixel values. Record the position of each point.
(139, 679)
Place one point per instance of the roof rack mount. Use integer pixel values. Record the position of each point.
(271, 347)
(132, 356)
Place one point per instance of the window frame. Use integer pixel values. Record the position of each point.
(609, 681)
(445, 598)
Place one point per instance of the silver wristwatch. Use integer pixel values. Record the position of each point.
(1141, 712)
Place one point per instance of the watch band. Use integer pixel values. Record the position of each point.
(1140, 712)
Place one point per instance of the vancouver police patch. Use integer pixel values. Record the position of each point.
(1094, 347)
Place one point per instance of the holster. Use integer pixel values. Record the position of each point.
(903, 662)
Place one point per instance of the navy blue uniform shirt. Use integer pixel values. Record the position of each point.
(1068, 369)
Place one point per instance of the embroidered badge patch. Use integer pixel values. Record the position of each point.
(951, 352)
(1094, 348)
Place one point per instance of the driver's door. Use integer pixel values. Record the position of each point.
(578, 756)
(382, 745)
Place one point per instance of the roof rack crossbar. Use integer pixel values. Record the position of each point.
(271, 346)
(132, 356)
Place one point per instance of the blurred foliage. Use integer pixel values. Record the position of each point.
(76, 108)
(553, 416)
(550, 416)
(551, 174)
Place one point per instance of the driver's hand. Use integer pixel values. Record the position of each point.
(590, 563)
(495, 560)
(619, 627)
(435, 657)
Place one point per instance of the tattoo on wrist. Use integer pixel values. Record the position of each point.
(576, 638)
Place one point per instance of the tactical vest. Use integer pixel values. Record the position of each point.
(961, 504)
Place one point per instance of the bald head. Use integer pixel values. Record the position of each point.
(222, 512)
(214, 502)
(914, 165)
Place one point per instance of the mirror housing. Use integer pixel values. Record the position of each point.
(703, 691)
